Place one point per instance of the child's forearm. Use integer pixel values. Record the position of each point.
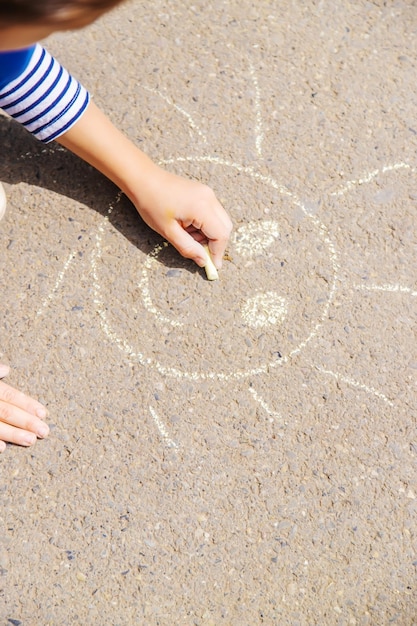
(97, 141)
(183, 211)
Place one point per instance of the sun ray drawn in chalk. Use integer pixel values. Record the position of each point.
(55, 289)
(259, 133)
(272, 414)
(388, 289)
(170, 443)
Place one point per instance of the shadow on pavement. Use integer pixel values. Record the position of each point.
(50, 166)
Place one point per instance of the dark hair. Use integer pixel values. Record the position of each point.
(21, 11)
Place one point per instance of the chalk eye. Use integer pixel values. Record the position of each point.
(264, 309)
(254, 238)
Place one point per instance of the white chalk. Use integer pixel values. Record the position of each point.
(210, 268)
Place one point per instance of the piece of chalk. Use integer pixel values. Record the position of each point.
(210, 268)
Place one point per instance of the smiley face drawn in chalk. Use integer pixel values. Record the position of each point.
(269, 303)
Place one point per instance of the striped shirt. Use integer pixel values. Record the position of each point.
(39, 93)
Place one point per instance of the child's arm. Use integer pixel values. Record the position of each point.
(183, 211)
(38, 92)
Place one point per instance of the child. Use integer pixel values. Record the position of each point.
(39, 93)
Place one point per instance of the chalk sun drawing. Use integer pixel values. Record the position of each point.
(277, 291)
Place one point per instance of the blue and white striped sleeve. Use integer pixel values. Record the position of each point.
(43, 97)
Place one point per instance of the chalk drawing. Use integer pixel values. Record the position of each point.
(259, 133)
(143, 284)
(367, 178)
(170, 443)
(387, 289)
(269, 311)
(269, 308)
(189, 118)
(264, 309)
(354, 383)
(272, 414)
(255, 238)
(52, 294)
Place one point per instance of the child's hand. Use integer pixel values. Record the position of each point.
(186, 213)
(183, 211)
(19, 416)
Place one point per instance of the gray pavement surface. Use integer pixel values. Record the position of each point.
(240, 452)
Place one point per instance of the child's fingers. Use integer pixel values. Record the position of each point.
(197, 234)
(16, 418)
(11, 434)
(215, 232)
(217, 228)
(217, 249)
(186, 245)
(16, 398)
(20, 415)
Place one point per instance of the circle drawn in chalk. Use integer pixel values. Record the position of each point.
(268, 305)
